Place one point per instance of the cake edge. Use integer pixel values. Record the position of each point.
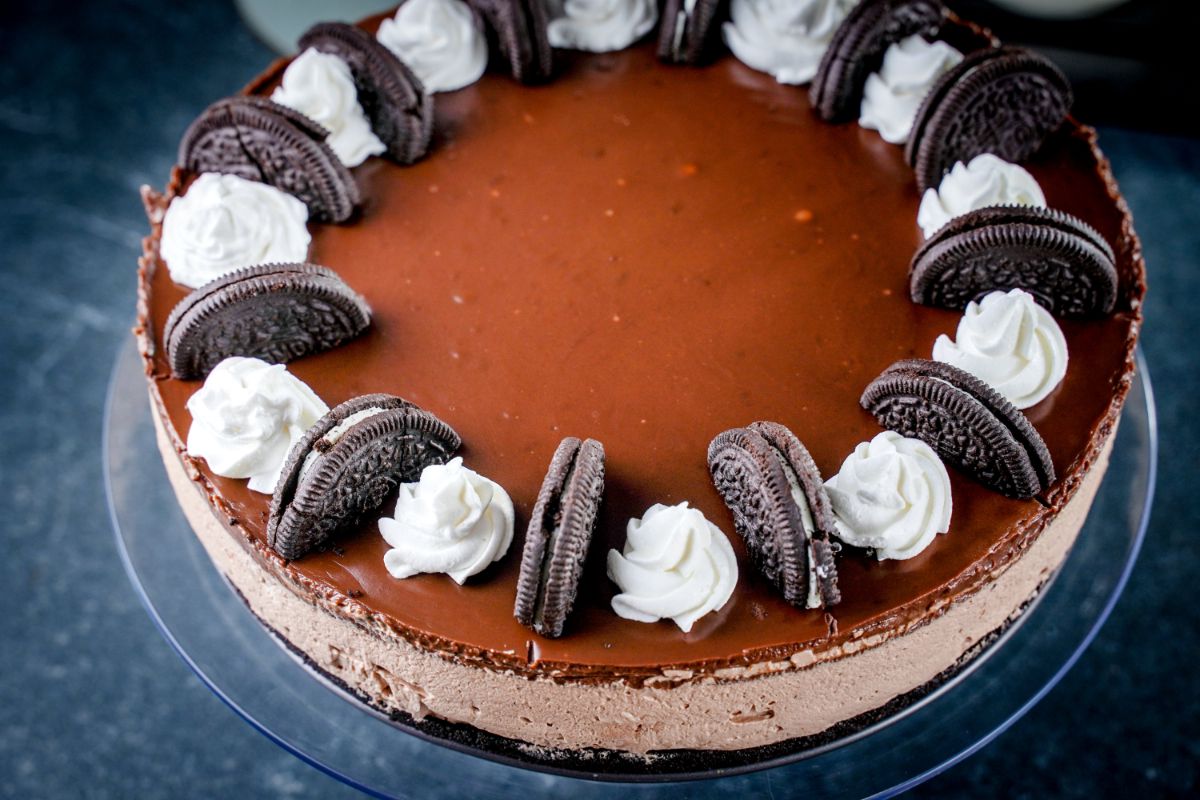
(728, 713)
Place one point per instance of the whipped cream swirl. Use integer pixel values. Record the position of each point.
(986, 180)
(439, 40)
(676, 565)
(1011, 343)
(453, 521)
(601, 26)
(892, 96)
(892, 495)
(320, 86)
(785, 38)
(247, 416)
(225, 222)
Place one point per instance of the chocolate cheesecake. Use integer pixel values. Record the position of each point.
(647, 255)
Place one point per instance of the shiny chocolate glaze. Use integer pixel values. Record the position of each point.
(649, 255)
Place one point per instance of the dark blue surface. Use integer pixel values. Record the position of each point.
(93, 98)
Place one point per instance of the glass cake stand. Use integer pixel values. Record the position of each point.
(271, 689)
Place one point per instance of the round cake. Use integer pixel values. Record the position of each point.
(647, 254)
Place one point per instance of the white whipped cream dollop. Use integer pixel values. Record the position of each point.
(1010, 343)
(892, 494)
(986, 180)
(892, 96)
(320, 86)
(784, 38)
(453, 521)
(601, 26)
(225, 222)
(247, 416)
(439, 40)
(676, 565)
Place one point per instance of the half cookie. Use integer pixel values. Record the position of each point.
(1059, 259)
(688, 30)
(965, 421)
(399, 108)
(517, 30)
(560, 531)
(275, 312)
(780, 509)
(1004, 101)
(347, 464)
(857, 47)
(257, 139)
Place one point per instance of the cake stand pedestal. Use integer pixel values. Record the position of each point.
(245, 666)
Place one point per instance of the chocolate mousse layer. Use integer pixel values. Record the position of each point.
(647, 256)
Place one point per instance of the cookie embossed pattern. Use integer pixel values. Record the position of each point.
(503, 216)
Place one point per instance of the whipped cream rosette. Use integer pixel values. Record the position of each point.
(675, 565)
(892, 495)
(247, 416)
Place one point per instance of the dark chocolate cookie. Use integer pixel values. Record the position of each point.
(335, 477)
(399, 108)
(517, 31)
(257, 139)
(1059, 259)
(760, 471)
(560, 531)
(276, 312)
(1003, 100)
(857, 47)
(967, 422)
(687, 37)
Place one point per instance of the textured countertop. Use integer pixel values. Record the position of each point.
(94, 703)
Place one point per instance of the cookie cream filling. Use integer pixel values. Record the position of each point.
(334, 435)
(246, 418)
(439, 40)
(320, 86)
(601, 26)
(784, 38)
(892, 495)
(676, 565)
(986, 180)
(810, 528)
(892, 95)
(453, 521)
(1011, 343)
(225, 222)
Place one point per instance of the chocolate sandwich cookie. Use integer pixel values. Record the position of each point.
(261, 140)
(517, 32)
(399, 108)
(560, 531)
(1002, 100)
(687, 36)
(347, 464)
(275, 312)
(857, 47)
(780, 509)
(967, 423)
(1062, 261)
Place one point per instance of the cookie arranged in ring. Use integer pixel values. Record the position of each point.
(1003, 100)
(686, 35)
(857, 47)
(968, 423)
(348, 464)
(780, 509)
(261, 140)
(399, 108)
(517, 30)
(560, 532)
(1059, 259)
(275, 312)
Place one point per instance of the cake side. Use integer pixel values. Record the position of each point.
(727, 710)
